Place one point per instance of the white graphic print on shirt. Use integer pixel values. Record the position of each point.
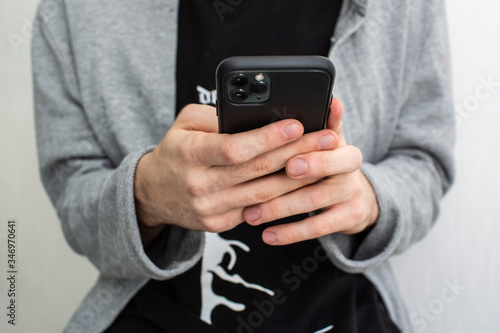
(215, 249)
(206, 97)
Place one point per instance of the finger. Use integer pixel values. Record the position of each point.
(335, 219)
(225, 149)
(197, 117)
(264, 164)
(222, 222)
(335, 117)
(250, 193)
(319, 164)
(307, 199)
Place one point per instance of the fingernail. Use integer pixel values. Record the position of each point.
(326, 142)
(252, 214)
(292, 131)
(269, 237)
(297, 167)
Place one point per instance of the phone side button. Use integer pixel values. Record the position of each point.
(216, 109)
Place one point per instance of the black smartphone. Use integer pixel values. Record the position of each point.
(255, 91)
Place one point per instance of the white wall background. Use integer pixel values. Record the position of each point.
(462, 250)
(464, 247)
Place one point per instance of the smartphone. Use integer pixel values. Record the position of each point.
(255, 91)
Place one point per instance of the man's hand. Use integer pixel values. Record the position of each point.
(199, 179)
(344, 194)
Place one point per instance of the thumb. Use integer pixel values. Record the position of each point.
(197, 117)
(335, 119)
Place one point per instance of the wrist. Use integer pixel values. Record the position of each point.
(372, 202)
(149, 234)
(149, 224)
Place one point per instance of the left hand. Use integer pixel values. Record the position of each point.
(344, 194)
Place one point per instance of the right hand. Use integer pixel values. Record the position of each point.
(199, 179)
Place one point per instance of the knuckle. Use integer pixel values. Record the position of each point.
(264, 194)
(185, 150)
(303, 145)
(358, 212)
(274, 209)
(307, 144)
(260, 166)
(290, 236)
(343, 193)
(220, 223)
(231, 153)
(201, 206)
(318, 199)
(268, 140)
(211, 224)
(355, 230)
(195, 185)
(189, 107)
(321, 227)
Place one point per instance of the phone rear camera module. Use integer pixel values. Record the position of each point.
(258, 87)
(239, 95)
(246, 87)
(240, 80)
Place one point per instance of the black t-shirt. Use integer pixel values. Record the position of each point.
(241, 284)
(210, 31)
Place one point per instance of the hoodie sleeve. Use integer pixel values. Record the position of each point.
(93, 197)
(418, 168)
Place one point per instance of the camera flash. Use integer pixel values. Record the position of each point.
(259, 77)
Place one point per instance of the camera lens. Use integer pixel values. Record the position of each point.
(239, 95)
(239, 80)
(258, 87)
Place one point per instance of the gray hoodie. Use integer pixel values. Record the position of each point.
(104, 79)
